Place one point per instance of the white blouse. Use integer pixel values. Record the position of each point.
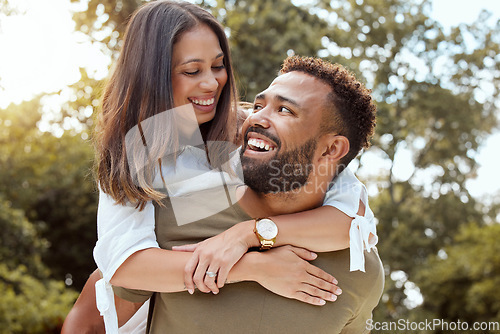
(123, 230)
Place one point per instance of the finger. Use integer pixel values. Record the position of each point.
(323, 285)
(304, 253)
(199, 277)
(210, 280)
(306, 298)
(189, 272)
(222, 277)
(315, 271)
(185, 248)
(318, 293)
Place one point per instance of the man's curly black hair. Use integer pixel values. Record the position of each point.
(350, 108)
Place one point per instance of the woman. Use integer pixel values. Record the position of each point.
(175, 57)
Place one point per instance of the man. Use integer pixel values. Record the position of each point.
(305, 128)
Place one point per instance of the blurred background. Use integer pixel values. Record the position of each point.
(432, 172)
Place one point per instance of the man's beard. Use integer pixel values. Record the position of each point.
(285, 172)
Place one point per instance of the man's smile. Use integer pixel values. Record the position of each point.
(258, 143)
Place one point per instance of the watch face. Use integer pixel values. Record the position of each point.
(267, 229)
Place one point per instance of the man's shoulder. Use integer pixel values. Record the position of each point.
(375, 270)
(357, 282)
(372, 279)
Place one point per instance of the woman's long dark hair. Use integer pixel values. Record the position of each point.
(141, 87)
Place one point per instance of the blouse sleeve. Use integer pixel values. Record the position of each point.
(345, 194)
(122, 230)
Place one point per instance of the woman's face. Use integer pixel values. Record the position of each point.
(198, 72)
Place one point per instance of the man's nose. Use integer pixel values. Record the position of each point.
(259, 118)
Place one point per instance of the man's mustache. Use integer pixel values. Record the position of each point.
(262, 132)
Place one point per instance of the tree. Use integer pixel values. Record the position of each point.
(463, 278)
(105, 21)
(31, 302)
(49, 178)
(20, 243)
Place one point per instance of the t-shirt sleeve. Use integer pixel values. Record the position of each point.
(344, 194)
(132, 295)
(122, 230)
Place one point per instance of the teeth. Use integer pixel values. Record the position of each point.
(260, 144)
(204, 102)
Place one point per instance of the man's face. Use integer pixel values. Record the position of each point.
(280, 136)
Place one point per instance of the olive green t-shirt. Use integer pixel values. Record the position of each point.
(246, 307)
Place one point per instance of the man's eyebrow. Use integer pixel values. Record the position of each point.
(198, 60)
(286, 99)
(280, 98)
(260, 96)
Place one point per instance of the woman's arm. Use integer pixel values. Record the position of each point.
(153, 269)
(284, 271)
(322, 229)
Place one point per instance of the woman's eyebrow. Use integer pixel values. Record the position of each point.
(199, 60)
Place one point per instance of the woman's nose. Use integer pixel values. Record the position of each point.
(209, 82)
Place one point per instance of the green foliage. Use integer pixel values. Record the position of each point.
(20, 244)
(463, 280)
(50, 179)
(30, 305)
(109, 16)
(31, 302)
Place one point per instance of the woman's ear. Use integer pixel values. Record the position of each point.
(335, 147)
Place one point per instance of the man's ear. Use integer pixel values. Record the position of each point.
(334, 147)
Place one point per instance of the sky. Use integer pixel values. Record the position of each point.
(41, 52)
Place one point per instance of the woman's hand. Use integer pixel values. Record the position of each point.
(286, 271)
(215, 255)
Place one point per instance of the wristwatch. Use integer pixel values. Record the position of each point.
(266, 230)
